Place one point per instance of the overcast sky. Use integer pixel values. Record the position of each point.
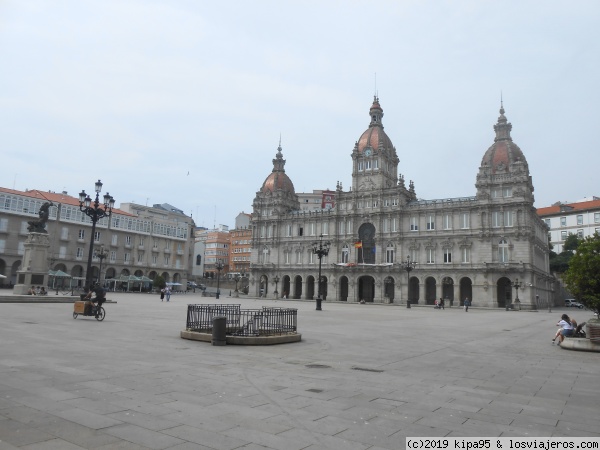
(139, 93)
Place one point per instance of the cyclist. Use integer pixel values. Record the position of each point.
(100, 296)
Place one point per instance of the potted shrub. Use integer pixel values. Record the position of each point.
(583, 280)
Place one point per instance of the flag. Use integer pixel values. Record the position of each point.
(358, 244)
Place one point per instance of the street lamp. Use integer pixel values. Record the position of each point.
(100, 253)
(219, 266)
(276, 280)
(320, 249)
(408, 265)
(516, 284)
(95, 211)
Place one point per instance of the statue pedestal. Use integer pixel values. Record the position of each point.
(34, 270)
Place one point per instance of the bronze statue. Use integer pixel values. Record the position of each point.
(39, 226)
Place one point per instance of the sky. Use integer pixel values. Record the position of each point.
(185, 102)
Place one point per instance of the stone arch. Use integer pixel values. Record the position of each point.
(323, 287)
(389, 287)
(448, 289)
(503, 292)
(343, 289)
(285, 286)
(466, 290)
(110, 273)
(366, 288)
(60, 266)
(297, 287)
(310, 287)
(430, 290)
(413, 290)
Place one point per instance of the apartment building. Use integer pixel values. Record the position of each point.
(581, 218)
(137, 240)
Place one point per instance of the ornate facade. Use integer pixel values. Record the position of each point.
(491, 248)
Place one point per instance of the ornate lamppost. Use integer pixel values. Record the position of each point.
(320, 249)
(276, 280)
(101, 254)
(408, 265)
(517, 285)
(219, 266)
(95, 211)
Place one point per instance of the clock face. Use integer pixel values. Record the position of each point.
(368, 152)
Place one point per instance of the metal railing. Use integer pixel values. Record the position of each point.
(267, 321)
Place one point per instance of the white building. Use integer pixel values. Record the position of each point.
(475, 247)
(581, 218)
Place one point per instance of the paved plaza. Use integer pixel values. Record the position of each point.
(363, 377)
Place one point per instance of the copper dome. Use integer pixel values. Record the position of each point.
(374, 137)
(503, 152)
(278, 180)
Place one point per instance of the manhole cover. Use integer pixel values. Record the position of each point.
(318, 366)
(315, 390)
(367, 370)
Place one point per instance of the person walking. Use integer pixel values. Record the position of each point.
(467, 303)
(162, 295)
(442, 303)
(168, 293)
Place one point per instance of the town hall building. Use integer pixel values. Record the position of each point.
(491, 248)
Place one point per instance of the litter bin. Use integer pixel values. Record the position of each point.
(218, 330)
(318, 304)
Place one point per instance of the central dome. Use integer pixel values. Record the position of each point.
(374, 137)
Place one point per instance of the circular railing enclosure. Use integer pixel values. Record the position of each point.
(264, 326)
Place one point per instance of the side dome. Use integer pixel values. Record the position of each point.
(503, 153)
(277, 179)
(374, 137)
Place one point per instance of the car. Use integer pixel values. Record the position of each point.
(571, 303)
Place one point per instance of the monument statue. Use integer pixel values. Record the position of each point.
(39, 226)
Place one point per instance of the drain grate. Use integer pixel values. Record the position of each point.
(318, 366)
(317, 391)
(32, 323)
(364, 369)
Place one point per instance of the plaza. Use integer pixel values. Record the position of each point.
(363, 377)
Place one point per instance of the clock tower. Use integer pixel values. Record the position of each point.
(374, 158)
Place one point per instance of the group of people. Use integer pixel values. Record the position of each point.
(165, 292)
(37, 290)
(441, 304)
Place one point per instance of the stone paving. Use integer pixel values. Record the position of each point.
(363, 377)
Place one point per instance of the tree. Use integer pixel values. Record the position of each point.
(560, 262)
(159, 282)
(583, 275)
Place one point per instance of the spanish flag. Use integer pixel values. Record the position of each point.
(358, 244)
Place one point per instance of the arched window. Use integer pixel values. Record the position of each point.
(198, 260)
(503, 251)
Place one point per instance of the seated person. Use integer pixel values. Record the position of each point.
(566, 328)
(43, 291)
(31, 291)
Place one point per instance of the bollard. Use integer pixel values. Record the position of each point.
(219, 330)
(408, 304)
